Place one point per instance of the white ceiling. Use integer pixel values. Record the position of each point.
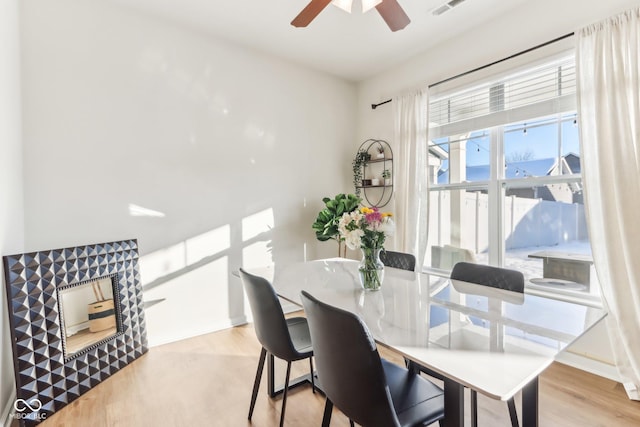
(352, 46)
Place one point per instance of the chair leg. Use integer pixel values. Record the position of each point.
(256, 384)
(313, 382)
(412, 367)
(284, 393)
(351, 423)
(328, 408)
(512, 412)
(474, 408)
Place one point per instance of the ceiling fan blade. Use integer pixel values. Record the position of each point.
(393, 14)
(309, 13)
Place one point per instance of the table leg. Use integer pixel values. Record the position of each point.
(530, 404)
(453, 404)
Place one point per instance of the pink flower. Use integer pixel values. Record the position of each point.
(374, 217)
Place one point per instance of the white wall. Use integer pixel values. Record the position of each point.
(11, 198)
(233, 148)
(529, 25)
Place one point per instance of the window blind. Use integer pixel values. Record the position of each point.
(544, 90)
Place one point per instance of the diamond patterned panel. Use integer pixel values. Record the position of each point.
(33, 280)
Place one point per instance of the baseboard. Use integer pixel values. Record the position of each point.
(593, 366)
(6, 412)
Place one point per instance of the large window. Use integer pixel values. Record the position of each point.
(505, 178)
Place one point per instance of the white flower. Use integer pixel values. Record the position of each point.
(345, 220)
(353, 238)
(356, 216)
(349, 220)
(388, 227)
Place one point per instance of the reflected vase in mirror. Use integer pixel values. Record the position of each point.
(371, 269)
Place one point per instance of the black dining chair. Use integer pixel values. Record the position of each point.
(401, 260)
(285, 338)
(487, 275)
(494, 277)
(366, 388)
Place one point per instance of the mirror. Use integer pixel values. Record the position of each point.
(76, 317)
(88, 314)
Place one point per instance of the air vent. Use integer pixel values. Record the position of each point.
(446, 7)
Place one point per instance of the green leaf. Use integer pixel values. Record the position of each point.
(326, 223)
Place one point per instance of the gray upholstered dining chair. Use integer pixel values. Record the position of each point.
(285, 338)
(401, 260)
(494, 277)
(366, 388)
(487, 275)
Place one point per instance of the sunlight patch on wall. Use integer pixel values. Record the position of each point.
(256, 235)
(136, 210)
(194, 303)
(207, 244)
(256, 224)
(162, 262)
(184, 254)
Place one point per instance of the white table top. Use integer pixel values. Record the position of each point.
(491, 340)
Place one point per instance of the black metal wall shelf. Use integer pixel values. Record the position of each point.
(369, 167)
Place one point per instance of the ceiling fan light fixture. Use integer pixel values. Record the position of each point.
(390, 10)
(367, 5)
(343, 4)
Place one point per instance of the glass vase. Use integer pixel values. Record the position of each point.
(371, 269)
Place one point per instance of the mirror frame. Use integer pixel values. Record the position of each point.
(32, 283)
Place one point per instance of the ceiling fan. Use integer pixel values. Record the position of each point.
(390, 10)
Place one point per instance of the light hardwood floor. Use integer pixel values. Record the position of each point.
(207, 381)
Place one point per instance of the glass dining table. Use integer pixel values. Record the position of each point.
(493, 341)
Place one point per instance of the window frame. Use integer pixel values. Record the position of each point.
(497, 185)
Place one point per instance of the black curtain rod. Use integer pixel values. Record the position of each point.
(374, 106)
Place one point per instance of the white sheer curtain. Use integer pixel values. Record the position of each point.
(410, 169)
(608, 70)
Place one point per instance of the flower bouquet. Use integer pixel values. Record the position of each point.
(367, 229)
